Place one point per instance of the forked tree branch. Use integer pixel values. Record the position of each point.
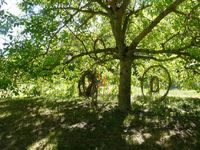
(154, 23)
(131, 13)
(105, 7)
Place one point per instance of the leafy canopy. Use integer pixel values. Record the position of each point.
(60, 36)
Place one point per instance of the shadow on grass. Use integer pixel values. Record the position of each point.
(73, 125)
(43, 124)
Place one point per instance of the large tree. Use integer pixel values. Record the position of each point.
(59, 32)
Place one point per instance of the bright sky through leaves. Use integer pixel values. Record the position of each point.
(10, 6)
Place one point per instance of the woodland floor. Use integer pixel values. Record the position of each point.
(41, 123)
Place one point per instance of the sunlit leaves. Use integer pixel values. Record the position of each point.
(56, 31)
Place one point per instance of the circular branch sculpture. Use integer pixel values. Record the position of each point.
(87, 84)
(156, 82)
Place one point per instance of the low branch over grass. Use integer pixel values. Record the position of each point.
(106, 51)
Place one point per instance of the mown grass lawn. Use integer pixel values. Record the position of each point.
(42, 123)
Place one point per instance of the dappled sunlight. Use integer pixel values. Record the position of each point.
(165, 137)
(136, 137)
(136, 91)
(173, 124)
(5, 114)
(80, 125)
(184, 93)
(41, 123)
(99, 75)
(53, 112)
(46, 143)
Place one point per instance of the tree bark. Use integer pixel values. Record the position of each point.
(124, 99)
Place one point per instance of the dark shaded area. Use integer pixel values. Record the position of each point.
(74, 125)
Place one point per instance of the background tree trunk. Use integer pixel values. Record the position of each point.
(125, 85)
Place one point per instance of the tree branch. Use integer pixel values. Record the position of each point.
(156, 59)
(154, 23)
(79, 39)
(89, 11)
(102, 5)
(189, 15)
(60, 28)
(131, 13)
(124, 6)
(178, 51)
(170, 38)
(108, 51)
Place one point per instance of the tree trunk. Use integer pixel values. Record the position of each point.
(124, 102)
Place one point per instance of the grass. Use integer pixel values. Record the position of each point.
(41, 123)
(136, 91)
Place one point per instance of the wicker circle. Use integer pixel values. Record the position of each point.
(156, 79)
(87, 88)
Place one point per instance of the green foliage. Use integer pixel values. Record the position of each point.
(59, 39)
(7, 22)
(5, 83)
